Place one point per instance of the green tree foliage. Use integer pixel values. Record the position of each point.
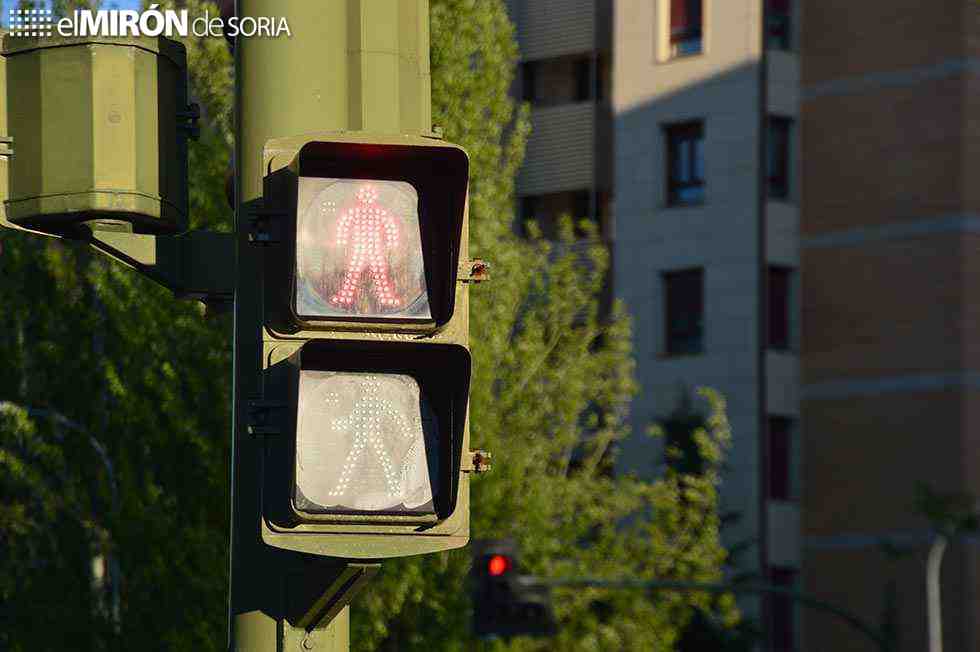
(144, 378)
(951, 514)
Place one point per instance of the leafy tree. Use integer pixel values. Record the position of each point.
(682, 452)
(145, 380)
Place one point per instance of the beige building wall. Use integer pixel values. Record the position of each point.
(722, 88)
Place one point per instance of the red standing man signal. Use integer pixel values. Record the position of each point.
(369, 232)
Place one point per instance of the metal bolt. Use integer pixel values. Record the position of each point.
(481, 461)
(308, 642)
(480, 271)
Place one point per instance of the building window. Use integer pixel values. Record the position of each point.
(781, 480)
(582, 205)
(528, 75)
(780, 290)
(778, 24)
(583, 80)
(561, 80)
(685, 27)
(780, 133)
(528, 212)
(546, 211)
(684, 311)
(602, 78)
(783, 610)
(685, 163)
(681, 451)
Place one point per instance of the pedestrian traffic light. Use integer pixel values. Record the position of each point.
(506, 603)
(366, 365)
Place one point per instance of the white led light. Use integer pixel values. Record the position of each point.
(364, 443)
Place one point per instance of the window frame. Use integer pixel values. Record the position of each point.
(582, 67)
(783, 630)
(781, 446)
(672, 336)
(686, 41)
(690, 136)
(779, 25)
(785, 275)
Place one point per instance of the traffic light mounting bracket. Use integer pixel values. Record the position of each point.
(311, 605)
(194, 265)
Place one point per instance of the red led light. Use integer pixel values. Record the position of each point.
(359, 250)
(498, 565)
(368, 232)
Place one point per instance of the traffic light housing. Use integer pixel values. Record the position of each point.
(366, 365)
(404, 197)
(93, 134)
(505, 602)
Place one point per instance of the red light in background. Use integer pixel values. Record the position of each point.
(498, 565)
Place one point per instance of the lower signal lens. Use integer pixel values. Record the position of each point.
(365, 442)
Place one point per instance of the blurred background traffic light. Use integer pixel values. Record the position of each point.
(505, 602)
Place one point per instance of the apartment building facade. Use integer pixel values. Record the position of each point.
(565, 77)
(793, 223)
(706, 105)
(667, 119)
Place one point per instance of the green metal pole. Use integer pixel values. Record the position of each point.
(348, 65)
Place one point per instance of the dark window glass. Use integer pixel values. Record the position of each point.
(778, 24)
(581, 202)
(602, 79)
(581, 210)
(779, 157)
(780, 306)
(583, 78)
(528, 79)
(546, 210)
(682, 452)
(529, 211)
(780, 479)
(783, 614)
(685, 163)
(685, 27)
(559, 80)
(684, 311)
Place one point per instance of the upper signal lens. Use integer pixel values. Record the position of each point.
(359, 251)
